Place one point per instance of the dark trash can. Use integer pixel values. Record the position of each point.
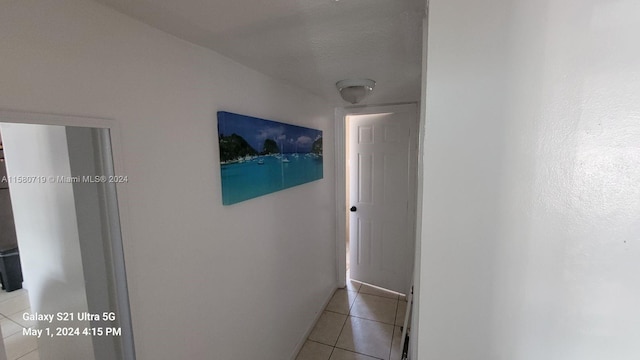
(10, 270)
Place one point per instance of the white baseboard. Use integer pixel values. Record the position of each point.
(306, 334)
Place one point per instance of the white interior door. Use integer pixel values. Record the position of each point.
(381, 161)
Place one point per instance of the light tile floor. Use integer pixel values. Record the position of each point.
(12, 306)
(360, 322)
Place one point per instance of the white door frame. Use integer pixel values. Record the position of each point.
(341, 179)
(117, 246)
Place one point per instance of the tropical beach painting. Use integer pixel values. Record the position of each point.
(259, 156)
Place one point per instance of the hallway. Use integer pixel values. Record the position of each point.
(360, 322)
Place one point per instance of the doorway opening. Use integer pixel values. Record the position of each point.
(376, 155)
(63, 185)
(376, 198)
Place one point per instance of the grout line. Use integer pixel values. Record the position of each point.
(393, 333)
(19, 311)
(395, 328)
(355, 352)
(340, 333)
(335, 312)
(317, 342)
(364, 318)
(17, 323)
(333, 348)
(32, 351)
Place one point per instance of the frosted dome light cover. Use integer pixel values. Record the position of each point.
(355, 90)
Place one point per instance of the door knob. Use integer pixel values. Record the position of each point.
(353, 209)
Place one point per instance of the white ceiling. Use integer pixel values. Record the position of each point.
(309, 43)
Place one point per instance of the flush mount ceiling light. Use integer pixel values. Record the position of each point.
(354, 90)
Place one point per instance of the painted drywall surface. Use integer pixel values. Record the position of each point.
(415, 309)
(531, 181)
(47, 232)
(201, 276)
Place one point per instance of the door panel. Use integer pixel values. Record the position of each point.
(379, 161)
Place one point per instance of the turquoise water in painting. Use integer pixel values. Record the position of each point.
(262, 175)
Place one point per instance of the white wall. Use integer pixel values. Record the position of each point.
(47, 231)
(235, 282)
(531, 181)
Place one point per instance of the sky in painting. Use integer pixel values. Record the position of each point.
(255, 131)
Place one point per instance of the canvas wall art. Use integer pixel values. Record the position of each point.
(259, 156)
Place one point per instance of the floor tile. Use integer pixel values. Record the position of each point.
(34, 355)
(14, 304)
(339, 354)
(402, 308)
(4, 295)
(328, 328)
(366, 337)
(18, 345)
(341, 301)
(368, 289)
(396, 344)
(374, 308)
(18, 317)
(312, 350)
(353, 285)
(9, 327)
